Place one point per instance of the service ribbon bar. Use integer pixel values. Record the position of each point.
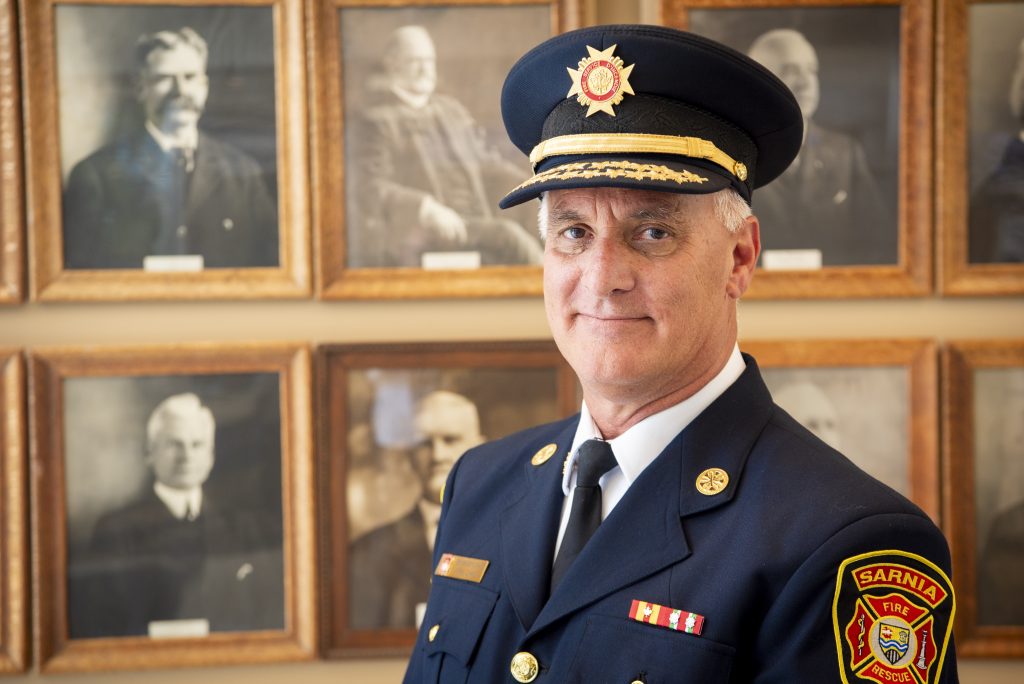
(663, 616)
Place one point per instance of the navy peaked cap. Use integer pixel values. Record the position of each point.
(647, 107)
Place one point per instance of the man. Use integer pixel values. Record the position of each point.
(168, 189)
(390, 567)
(682, 526)
(828, 198)
(427, 180)
(173, 557)
(997, 206)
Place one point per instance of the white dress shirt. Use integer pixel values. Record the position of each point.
(180, 502)
(637, 447)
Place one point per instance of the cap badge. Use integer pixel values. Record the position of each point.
(601, 81)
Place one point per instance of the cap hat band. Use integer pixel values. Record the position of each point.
(637, 143)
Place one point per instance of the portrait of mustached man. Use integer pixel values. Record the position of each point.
(168, 188)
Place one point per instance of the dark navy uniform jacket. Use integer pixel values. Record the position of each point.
(759, 560)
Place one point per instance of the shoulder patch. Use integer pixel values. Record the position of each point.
(893, 616)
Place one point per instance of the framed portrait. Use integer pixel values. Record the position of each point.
(393, 420)
(168, 151)
(876, 401)
(980, 147)
(852, 215)
(14, 557)
(413, 156)
(12, 213)
(173, 521)
(983, 413)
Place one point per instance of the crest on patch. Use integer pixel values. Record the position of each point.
(893, 616)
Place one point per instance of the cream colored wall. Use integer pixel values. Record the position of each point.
(35, 325)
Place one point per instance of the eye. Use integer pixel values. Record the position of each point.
(654, 233)
(574, 233)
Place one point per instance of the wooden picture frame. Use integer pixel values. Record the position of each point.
(975, 137)
(14, 556)
(105, 195)
(12, 210)
(982, 411)
(114, 571)
(376, 402)
(879, 392)
(879, 153)
(384, 221)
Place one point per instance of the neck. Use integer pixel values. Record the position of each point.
(615, 412)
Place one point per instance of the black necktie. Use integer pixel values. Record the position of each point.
(595, 458)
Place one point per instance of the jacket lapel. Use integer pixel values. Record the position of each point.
(528, 529)
(644, 533)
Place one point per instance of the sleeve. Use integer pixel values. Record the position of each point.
(83, 200)
(873, 603)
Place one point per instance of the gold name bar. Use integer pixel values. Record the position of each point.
(637, 143)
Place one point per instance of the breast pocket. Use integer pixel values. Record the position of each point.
(616, 650)
(457, 613)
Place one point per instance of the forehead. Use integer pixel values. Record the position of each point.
(180, 57)
(620, 202)
(787, 50)
(184, 423)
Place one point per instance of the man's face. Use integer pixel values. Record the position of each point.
(640, 287)
(173, 87)
(413, 66)
(796, 64)
(449, 426)
(181, 454)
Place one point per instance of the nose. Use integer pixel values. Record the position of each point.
(608, 267)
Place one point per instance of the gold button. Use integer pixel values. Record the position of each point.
(432, 634)
(712, 481)
(524, 667)
(542, 456)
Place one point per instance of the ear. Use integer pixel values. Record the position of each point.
(745, 250)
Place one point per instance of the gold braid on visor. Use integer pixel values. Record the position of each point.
(637, 143)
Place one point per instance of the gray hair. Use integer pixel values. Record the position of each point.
(730, 209)
(168, 40)
(177, 406)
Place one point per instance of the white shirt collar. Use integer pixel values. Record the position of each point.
(187, 140)
(180, 501)
(638, 446)
(414, 100)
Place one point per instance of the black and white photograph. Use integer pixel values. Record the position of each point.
(416, 157)
(399, 418)
(425, 147)
(174, 505)
(983, 450)
(999, 495)
(875, 401)
(836, 205)
(168, 137)
(169, 150)
(862, 412)
(173, 523)
(995, 72)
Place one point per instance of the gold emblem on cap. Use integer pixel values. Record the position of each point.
(739, 170)
(524, 667)
(601, 81)
(543, 454)
(712, 481)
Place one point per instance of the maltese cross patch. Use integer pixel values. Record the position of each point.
(893, 616)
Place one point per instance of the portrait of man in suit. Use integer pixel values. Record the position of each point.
(391, 566)
(828, 198)
(166, 187)
(174, 558)
(425, 180)
(997, 204)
